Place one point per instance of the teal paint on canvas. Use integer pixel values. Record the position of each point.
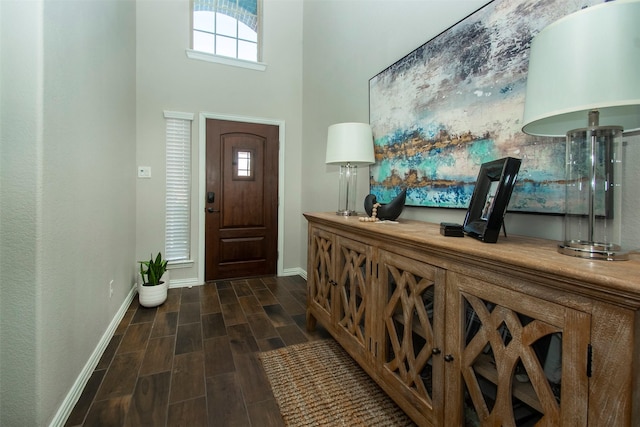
(457, 102)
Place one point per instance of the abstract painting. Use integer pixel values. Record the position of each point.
(457, 102)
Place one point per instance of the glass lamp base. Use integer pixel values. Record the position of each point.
(347, 213)
(593, 250)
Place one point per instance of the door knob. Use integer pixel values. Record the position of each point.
(211, 210)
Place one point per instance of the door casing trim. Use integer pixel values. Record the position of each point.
(202, 184)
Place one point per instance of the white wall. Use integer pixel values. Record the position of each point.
(348, 42)
(67, 194)
(168, 80)
(78, 78)
(19, 205)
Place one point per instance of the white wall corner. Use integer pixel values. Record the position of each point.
(297, 271)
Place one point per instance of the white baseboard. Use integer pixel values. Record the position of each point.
(184, 283)
(78, 386)
(76, 390)
(187, 283)
(297, 271)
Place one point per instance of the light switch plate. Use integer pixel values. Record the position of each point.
(144, 171)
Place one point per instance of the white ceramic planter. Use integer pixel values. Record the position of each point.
(152, 296)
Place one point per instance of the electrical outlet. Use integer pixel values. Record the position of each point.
(110, 289)
(144, 171)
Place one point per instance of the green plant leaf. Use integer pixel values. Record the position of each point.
(154, 269)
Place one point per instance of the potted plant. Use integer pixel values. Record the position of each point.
(152, 290)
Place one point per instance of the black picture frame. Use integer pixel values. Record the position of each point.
(490, 198)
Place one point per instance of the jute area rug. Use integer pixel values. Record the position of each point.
(319, 384)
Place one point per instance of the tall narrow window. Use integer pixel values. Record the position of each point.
(178, 191)
(227, 28)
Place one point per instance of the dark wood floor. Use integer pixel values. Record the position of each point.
(193, 360)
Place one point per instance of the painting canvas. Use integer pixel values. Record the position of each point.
(457, 102)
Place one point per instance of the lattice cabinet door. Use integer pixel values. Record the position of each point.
(320, 280)
(412, 333)
(514, 359)
(353, 295)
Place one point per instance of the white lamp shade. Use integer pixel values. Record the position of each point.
(350, 143)
(589, 60)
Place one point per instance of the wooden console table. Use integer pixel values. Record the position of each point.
(460, 332)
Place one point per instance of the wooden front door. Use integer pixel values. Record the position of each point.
(241, 226)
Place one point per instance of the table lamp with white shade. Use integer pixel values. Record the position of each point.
(584, 83)
(349, 145)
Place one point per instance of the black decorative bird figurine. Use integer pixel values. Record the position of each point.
(390, 211)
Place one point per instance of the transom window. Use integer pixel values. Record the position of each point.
(227, 28)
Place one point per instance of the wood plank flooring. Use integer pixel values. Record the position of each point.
(193, 360)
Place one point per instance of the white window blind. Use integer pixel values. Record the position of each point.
(178, 191)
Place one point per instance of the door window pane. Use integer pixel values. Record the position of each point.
(243, 164)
